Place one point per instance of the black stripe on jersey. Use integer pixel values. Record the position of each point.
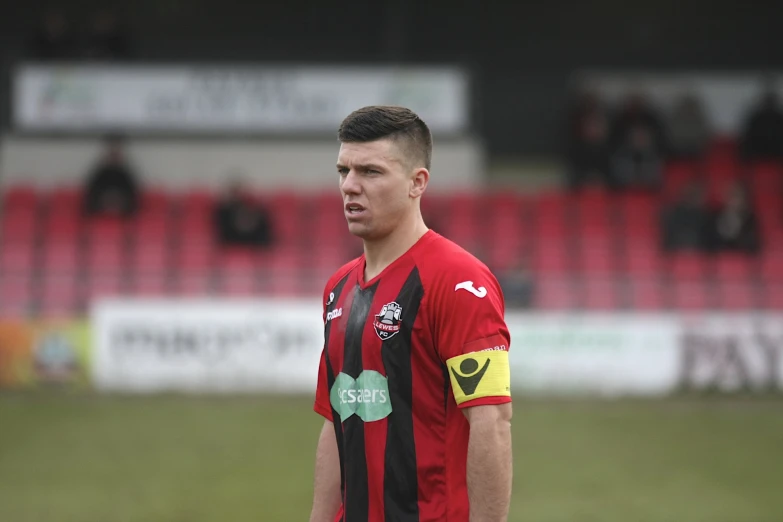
(338, 429)
(401, 487)
(357, 495)
(446, 387)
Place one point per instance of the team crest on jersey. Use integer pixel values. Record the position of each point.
(387, 322)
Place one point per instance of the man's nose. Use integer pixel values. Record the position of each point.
(350, 183)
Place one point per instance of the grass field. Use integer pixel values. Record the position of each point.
(194, 459)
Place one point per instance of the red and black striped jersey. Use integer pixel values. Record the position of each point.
(402, 354)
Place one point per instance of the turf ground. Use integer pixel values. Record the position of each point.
(194, 459)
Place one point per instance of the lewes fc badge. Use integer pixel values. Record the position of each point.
(387, 322)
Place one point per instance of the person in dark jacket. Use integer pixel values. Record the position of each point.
(239, 221)
(734, 226)
(762, 136)
(112, 188)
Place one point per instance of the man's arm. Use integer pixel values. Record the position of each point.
(326, 495)
(489, 462)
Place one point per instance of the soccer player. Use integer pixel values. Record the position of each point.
(414, 375)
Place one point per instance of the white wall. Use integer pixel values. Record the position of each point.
(727, 97)
(181, 163)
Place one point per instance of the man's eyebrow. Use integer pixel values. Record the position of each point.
(363, 166)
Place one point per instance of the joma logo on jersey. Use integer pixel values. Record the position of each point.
(387, 322)
(334, 314)
(366, 396)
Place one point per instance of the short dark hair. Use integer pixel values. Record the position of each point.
(378, 122)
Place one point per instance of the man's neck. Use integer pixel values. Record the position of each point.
(380, 254)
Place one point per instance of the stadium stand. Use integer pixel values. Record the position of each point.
(592, 249)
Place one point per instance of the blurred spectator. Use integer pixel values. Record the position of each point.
(111, 187)
(588, 140)
(637, 113)
(107, 37)
(53, 39)
(637, 146)
(689, 130)
(684, 223)
(240, 221)
(762, 136)
(517, 286)
(734, 226)
(637, 162)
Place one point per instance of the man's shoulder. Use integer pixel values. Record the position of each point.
(444, 264)
(443, 254)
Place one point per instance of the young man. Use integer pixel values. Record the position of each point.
(414, 376)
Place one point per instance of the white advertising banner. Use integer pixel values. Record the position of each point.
(207, 346)
(731, 352)
(273, 345)
(229, 99)
(612, 354)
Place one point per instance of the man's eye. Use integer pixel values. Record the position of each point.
(373, 171)
(343, 172)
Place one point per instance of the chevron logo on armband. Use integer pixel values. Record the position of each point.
(480, 374)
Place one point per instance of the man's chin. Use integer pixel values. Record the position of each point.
(361, 231)
(358, 230)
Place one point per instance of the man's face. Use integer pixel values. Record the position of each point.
(376, 183)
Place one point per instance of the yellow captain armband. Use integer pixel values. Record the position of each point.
(480, 374)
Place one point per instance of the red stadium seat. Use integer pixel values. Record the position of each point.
(286, 275)
(552, 257)
(150, 283)
(236, 271)
(59, 295)
(104, 284)
(642, 258)
(150, 256)
(20, 197)
(193, 284)
(551, 217)
(772, 296)
(67, 198)
(597, 260)
(155, 202)
(17, 258)
(646, 293)
(61, 257)
(734, 267)
(688, 266)
(738, 295)
(16, 297)
(553, 293)
(105, 258)
(691, 295)
(600, 293)
(287, 217)
(595, 211)
(771, 267)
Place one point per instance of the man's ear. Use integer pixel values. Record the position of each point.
(421, 178)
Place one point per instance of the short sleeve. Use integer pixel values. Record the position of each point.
(472, 338)
(322, 405)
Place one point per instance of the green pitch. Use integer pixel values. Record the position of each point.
(178, 459)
